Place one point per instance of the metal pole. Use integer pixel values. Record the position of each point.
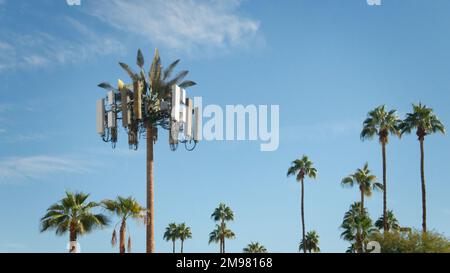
(150, 200)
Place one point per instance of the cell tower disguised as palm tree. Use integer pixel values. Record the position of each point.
(150, 101)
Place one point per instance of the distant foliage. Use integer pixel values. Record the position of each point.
(412, 242)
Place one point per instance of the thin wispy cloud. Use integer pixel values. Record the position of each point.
(39, 48)
(41, 166)
(323, 131)
(191, 26)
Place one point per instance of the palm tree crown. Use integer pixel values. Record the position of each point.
(301, 168)
(73, 214)
(381, 123)
(221, 232)
(311, 242)
(364, 180)
(391, 221)
(423, 120)
(222, 213)
(254, 248)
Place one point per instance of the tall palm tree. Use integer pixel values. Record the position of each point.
(311, 242)
(73, 214)
(382, 123)
(219, 235)
(357, 226)
(390, 220)
(365, 181)
(222, 214)
(302, 168)
(254, 248)
(425, 122)
(124, 208)
(156, 85)
(171, 234)
(183, 233)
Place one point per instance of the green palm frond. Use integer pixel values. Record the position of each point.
(423, 120)
(301, 168)
(73, 211)
(255, 247)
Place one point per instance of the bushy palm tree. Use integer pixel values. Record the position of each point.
(311, 242)
(219, 235)
(171, 234)
(357, 226)
(73, 214)
(222, 214)
(365, 181)
(382, 123)
(425, 122)
(388, 223)
(183, 233)
(124, 208)
(302, 168)
(254, 247)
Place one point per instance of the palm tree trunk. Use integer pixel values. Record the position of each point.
(223, 245)
(424, 194)
(385, 227)
(182, 244)
(123, 229)
(303, 215)
(150, 210)
(73, 239)
(362, 202)
(359, 233)
(173, 246)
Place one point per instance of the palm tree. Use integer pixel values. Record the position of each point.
(157, 86)
(171, 234)
(311, 242)
(425, 122)
(381, 123)
(183, 233)
(302, 168)
(124, 208)
(219, 235)
(254, 248)
(365, 181)
(73, 214)
(357, 226)
(390, 220)
(222, 214)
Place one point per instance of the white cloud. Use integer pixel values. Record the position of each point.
(41, 49)
(192, 26)
(34, 167)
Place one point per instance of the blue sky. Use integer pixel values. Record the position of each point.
(326, 63)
